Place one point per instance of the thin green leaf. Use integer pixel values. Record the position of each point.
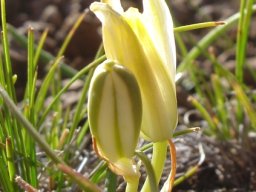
(111, 181)
(246, 9)
(41, 96)
(6, 51)
(198, 26)
(149, 169)
(45, 56)
(81, 73)
(208, 40)
(40, 46)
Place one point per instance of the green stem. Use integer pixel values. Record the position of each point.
(186, 175)
(198, 26)
(10, 159)
(242, 36)
(158, 160)
(6, 53)
(149, 170)
(132, 185)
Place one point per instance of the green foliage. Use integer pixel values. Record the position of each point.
(222, 98)
(19, 127)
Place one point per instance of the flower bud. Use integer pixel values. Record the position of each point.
(115, 113)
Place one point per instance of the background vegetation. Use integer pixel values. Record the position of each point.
(43, 117)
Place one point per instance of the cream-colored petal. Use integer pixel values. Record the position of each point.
(167, 107)
(159, 24)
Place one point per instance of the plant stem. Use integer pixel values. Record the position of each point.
(246, 8)
(132, 185)
(6, 52)
(158, 160)
(10, 159)
(190, 172)
(198, 26)
(149, 170)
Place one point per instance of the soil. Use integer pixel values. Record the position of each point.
(229, 165)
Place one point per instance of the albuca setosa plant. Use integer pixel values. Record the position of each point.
(144, 44)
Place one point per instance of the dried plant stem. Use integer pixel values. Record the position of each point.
(173, 165)
(24, 185)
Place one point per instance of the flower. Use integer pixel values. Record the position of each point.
(144, 43)
(115, 113)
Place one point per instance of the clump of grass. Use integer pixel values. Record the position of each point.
(19, 127)
(222, 98)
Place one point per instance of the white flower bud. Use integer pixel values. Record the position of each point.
(115, 113)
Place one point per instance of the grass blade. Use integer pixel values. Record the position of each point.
(204, 113)
(41, 96)
(28, 126)
(40, 46)
(246, 8)
(149, 169)
(10, 159)
(65, 88)
(208, 40)
(111, 181)
(80, 106)
(71, 34)
(45, 56)
(6, 51)
(198, 26)
(5, 181)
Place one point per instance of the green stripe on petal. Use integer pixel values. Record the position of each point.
(129, 109)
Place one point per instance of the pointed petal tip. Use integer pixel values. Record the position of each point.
(102, 9)
(95, 6)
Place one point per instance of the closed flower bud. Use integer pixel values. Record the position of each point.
(115, 113)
